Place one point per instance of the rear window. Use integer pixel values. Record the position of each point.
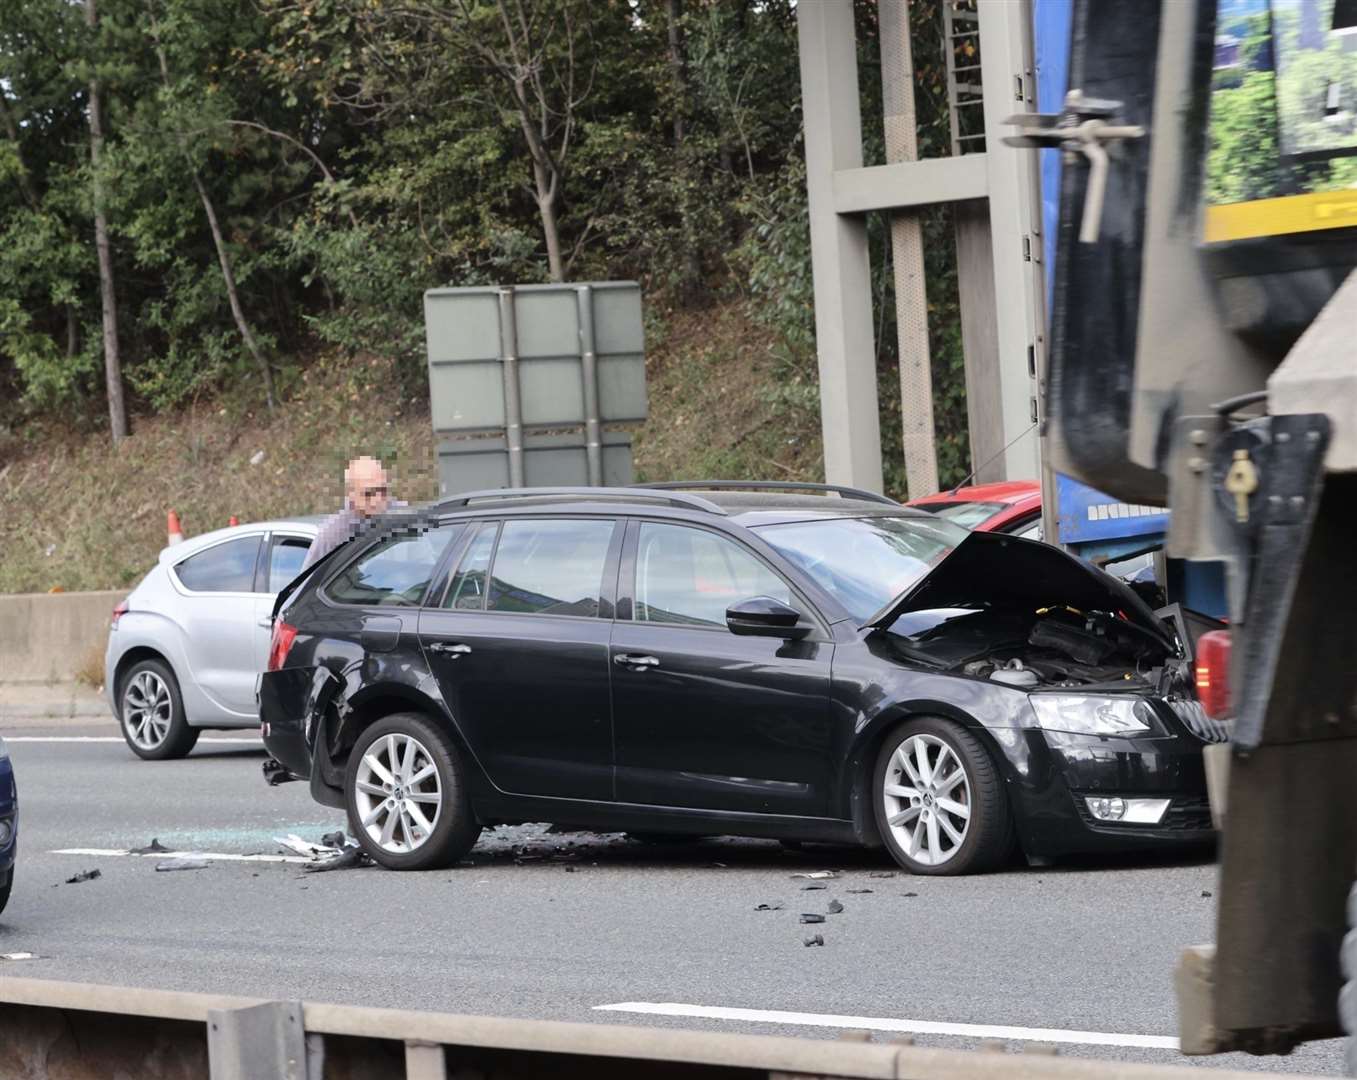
(967, 514)
(227, 567)
(551, 567)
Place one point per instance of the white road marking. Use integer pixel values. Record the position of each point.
(214, 856)
(107, 739)
(882, 1023)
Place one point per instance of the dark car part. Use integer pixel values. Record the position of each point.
(151, 713)
(940, 803)
(406, 794)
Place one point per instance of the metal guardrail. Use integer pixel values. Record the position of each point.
(79, 1030)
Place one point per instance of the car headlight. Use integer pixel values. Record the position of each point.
(1082, 714)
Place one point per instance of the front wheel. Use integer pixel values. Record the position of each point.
(151, 713)
(406, 795)
(940, 802)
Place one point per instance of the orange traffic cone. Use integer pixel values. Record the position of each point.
(173, 528)
(233, 522)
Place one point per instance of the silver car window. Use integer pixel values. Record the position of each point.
(227, 567)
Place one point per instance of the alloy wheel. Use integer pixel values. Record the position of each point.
(147, 709)
(398, 793)
(927, 798)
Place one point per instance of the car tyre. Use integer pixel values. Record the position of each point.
(939, 800)
(151, 713)
(390, 806)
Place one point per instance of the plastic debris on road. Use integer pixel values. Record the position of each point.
(811, 917)
(295, 844)
(768, 907)
(835, 908)
(818, 875)
(84, 875)
(814, 939)
(19, 956)
(350, 858)
(812, 887)
(155, 847)
(181, 864)
(858, 891)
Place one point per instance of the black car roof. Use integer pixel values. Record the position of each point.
(745, 507)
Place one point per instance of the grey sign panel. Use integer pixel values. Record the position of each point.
(558, 460)
(559, 332)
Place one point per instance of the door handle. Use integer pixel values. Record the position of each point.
(448, 648)
(636, 660)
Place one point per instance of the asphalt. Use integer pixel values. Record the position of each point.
(549, 925)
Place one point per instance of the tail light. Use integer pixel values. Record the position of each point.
(1213, 673)
(283, 636)
(119, 612)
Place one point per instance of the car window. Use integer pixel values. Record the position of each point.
(227, 567)
(866, 562)
(550, 567)
(1030, 530)
(969, 514)
(286, 556)
(466, 591)
(395, 573)
(691, 576)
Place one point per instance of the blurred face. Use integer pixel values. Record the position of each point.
(367, 487)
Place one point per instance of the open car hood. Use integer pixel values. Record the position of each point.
(1012, 573)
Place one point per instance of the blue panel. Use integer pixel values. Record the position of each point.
(1052, 22)
(1087, 515)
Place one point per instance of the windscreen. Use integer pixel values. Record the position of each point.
(865, 563)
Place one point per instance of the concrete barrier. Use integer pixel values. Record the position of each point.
(76, 1030)
(45, 637)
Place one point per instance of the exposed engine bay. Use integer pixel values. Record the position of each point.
(1055, 646)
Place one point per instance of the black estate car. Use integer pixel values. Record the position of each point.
(830, 666)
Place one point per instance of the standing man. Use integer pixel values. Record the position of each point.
(365, 495)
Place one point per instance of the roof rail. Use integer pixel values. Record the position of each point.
(773, 485)
(688, 502)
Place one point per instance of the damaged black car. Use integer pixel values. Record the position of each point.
(805, 667)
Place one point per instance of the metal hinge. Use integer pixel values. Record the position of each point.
(1081, 127)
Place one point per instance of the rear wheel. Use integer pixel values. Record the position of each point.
(151, 712)
(406, 795)
(940, 802)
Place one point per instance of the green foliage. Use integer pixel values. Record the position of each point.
(358, 152)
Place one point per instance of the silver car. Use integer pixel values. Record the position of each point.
(187, 645)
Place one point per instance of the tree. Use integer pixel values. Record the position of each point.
(117, 409)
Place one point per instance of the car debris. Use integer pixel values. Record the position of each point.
(818, 875)
(19, 956)
(155, 847)
(814, 939)
(835, 908)
(295, 844)
(351, 858)
(335, 839)
(813, 887)
(84, 875)
(811, 917)
(181, 864)
(275, 772)
(882, 874)
(768, 907)
(858, 891)
(909, 894)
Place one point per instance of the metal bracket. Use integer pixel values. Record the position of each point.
(1082, 127)
(261, 1042)
(1290, 483)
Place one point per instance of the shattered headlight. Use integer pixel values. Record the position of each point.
(1082, 714)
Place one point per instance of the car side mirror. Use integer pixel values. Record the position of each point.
(762, 616)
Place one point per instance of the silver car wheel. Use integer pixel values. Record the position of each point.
(398, 794)
(927, 799)
(147, 707)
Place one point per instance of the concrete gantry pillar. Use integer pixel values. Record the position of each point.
(849, 410)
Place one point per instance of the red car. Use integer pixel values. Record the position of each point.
(1013, 506)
